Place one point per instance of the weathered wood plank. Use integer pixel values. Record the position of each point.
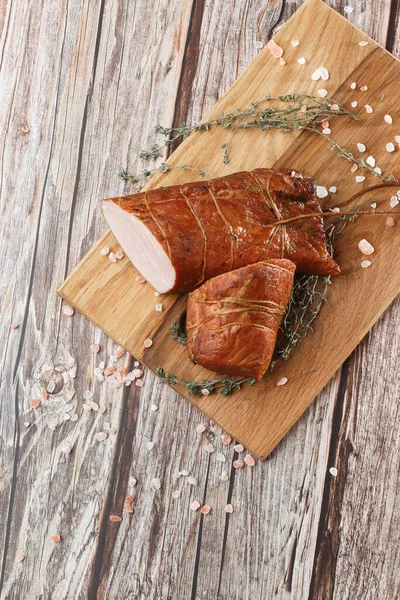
(66, 80)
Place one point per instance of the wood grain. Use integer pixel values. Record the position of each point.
(274, 553)
(261, 415)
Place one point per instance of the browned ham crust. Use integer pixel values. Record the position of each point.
(199, 230)
(233, 319)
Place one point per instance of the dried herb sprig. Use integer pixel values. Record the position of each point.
(146, 173)
(224, 385)
(177, 334)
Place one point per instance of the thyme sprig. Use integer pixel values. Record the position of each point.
(224, 385)
(177, 334)
(146, 173)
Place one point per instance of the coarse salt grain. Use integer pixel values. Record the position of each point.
(156, 483)
(295, 43)
(325, 123)
(200, 428)
(119, 255)
(238, 448)
(157, 294)
(363, 88)
(140, 279)
(259, 44)
(109, 371)
(158, 307)
(128, 508)
(224, 476)
(374, 205)
(35, 403)
(56, 537)
(101, 436)
(353, 85)
(205, 509)
(361, 147)
(112, 257)
(86, 407)
(226, 439)
(334, 107)
(148, 343)
(192, 480)
(249, 460)
(95, 348)
(104, 251)
(377, 170)
(229, 508)
(74, 417)
(87, 394)
(394, 201)
(365, 247)
(26, 423)
(176, 494)
(333, 189)
(354, 104)
(316, 75)
(390, 222)
(327, 131)
(354, 168)
(219, 457)
(397, 139)
(14, 325)
(282, 61)
(370, 161)
(139, 383)
(322, 92)
(322, 192)
(115, 518)
(209, 448)
(301, 60)
(363, 43)
(282, 381)
(205, 392)
(132, 481)
(150, 445)
(195, 506)
(390, 147)
(360, 178)
(348, 9)
(19, 557)
(336, 209)
(238, 464)
(185, 473)
(324, 73)
(369, 109)
(119, 351)
(275, 50)
(154, 407)
(333, 471)
(68, 310)
(388, 119)
(365, 264)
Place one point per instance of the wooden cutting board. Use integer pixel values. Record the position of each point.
(108, 295)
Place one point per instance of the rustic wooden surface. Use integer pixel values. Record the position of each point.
(108, 294)
(81, 85)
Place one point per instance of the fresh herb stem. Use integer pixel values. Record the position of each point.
(205, 387)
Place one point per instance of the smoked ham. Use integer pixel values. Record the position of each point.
(179, 237)
(233, 319)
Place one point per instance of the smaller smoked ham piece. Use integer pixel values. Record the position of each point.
(233, 319)
(178, 237)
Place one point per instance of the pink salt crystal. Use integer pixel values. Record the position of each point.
(14, 325)
(238, 464)
(205, 392)
(369, 109)
(388, 119)
(354, 168)
(353, 85)
(139, 382)
(275, 50)
(119, 255)
(195, 506)
(365, 247)
(282, 62)
(249, 460)
(140, 279)
(95, 348)
(200, 428)
(363, 43)
(397, 139)
(364, 88)
(390, 222)
(119, 351)
(205, 509)
(109, 371)
(104, 251)
(226, 439)
(354, 104)
(19, 557)
(325, 123)
(282, 381)
(112, 257)
(68, 310)
(148, 343)
(326, 131)
(365, 264)
(101, 436)
(229, 508)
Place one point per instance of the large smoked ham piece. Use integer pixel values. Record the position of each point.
(179, 237)
(233, 319)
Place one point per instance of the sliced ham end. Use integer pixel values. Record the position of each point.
(141, 247)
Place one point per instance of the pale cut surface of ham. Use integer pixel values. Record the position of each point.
(178, 237)
(233, 319)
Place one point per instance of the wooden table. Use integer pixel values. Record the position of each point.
(82, 85)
